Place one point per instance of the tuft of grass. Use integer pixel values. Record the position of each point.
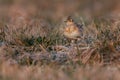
(32, 45)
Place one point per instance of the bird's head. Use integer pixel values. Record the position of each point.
(69, 20)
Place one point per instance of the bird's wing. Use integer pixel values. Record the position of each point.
(80, 26)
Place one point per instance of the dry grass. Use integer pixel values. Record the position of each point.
(67, 72)
(32, 46)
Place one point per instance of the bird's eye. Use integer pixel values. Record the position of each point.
(71, 20)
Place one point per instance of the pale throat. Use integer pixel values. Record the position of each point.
(69, 23)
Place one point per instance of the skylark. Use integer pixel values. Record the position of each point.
(72, 30)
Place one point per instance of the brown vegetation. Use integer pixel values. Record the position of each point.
(32, 46)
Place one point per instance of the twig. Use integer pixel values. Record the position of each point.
(42, 48)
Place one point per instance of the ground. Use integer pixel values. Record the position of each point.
(33, 47)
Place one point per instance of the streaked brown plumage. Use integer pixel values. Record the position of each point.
(72, 30)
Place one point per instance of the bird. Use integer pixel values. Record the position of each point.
(72, 30)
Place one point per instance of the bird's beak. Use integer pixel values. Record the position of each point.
(65, 21)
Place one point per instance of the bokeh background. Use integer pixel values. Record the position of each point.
(55, 10)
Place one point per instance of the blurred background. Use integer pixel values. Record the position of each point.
(55, 10)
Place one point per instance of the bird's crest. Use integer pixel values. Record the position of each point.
(69, 18)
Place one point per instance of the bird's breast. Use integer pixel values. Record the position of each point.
(71, 32)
